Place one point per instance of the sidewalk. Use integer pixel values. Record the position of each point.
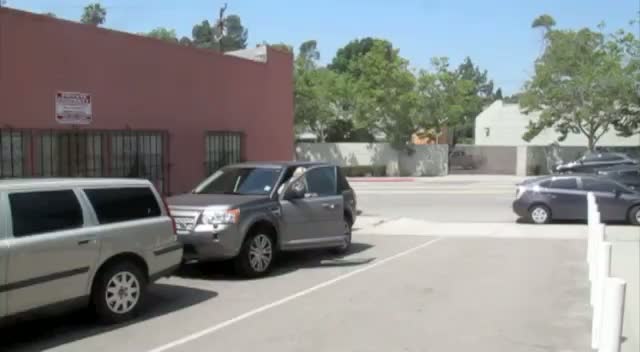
(415, 227)
(441, 179)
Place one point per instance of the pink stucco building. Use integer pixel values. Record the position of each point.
(158, 110)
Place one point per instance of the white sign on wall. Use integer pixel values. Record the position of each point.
(73, 108)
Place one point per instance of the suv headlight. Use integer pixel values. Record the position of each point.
(219, 217)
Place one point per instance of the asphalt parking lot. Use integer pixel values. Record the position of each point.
(432, 288)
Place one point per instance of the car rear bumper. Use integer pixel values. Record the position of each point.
(209, 243)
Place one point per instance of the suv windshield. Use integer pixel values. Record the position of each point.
(240, 180)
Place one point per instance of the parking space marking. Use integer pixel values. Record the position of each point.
(284, 300)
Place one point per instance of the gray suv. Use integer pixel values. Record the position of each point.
(97, 241)
(248, 212)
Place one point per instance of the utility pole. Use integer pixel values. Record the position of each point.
(219, 27)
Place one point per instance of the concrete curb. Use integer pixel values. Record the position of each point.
(381, 179)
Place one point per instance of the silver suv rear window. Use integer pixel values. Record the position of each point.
(42, 212)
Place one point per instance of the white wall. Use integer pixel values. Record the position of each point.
(507, 124)
(427, 160)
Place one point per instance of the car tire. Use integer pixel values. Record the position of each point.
(344, 248)
(634, 215)
(539, 214)
(256, 256)
(119, 292)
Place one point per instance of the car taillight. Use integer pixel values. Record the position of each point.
(173, 221)
(519, 191)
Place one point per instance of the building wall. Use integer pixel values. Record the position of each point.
(426, 160)
(488, 160)
(143, 83)
(506, 124)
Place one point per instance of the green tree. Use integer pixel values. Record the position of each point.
(308, 56)
(355, 49)
(94, 14)
(164, 34)
(384, 96)
(315, 92)
(186, 41)
(315, 107)
(448, 99)
(279, 46)
(234, 35)
(544, 21)
(202, 35)
(498, 94)
(482, 95)
(629, 123)
(583, 83)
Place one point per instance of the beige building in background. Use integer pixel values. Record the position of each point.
(503, 124)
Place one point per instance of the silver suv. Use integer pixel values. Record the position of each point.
(98, 241)
(248, 212)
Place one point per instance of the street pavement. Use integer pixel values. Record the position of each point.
(411, 283)
(453, 199)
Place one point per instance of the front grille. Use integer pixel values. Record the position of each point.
(184, 224)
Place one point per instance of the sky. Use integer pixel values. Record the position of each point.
(496, 34)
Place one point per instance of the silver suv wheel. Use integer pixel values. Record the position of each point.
(122, 293)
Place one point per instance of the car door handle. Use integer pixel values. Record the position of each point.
(329, 206)
(86, 241)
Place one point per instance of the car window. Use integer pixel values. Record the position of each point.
(42, 212)
(602, 157)
(593, 185)
(321, 181)
(546, 184)
(241, 180)
(123, 204)
(564, 183)
(630, 173)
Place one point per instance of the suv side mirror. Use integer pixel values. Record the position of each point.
(617, 193)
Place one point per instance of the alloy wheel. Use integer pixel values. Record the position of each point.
(539, 215)
(122, 293)
(260, 253)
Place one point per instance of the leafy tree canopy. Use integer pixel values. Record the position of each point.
(164, 34)
(94, 14)
(584, 82)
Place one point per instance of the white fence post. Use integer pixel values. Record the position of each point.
(591, 222)
(598, 237)
(612, 315)
(603, 272)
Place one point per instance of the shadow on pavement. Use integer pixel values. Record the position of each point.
(285, 263)
(48, 330)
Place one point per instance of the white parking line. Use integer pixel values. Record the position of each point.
(284, 300)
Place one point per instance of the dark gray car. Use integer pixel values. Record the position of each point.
(592, 162)
(543, 199)
(248, 212)
(628, 175)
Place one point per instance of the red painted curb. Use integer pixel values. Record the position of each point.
(380, 179)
